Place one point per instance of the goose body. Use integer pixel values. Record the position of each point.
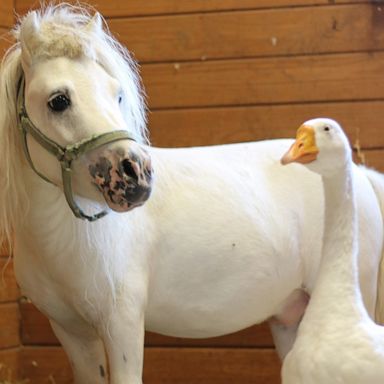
(337, 341)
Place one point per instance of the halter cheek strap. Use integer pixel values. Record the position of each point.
(65, 155)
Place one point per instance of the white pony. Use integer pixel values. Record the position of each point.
(226, 240)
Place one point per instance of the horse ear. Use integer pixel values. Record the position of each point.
(96, 23)
(28, 36)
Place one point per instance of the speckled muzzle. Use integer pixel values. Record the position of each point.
(123, 175)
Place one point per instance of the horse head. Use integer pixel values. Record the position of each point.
(79, 84)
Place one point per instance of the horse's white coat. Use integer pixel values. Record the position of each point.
(222, 243)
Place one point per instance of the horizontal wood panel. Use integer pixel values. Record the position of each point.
(47, 365)
(211, 366)
(35, 329)
(374, 159)
(168, 366)
(263, 81)
(343, 28)
(208, 126)
(6, 13)
(9, 325)
(118, 8)
(8, 287)
(9, 365)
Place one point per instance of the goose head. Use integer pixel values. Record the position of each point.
(321, 145)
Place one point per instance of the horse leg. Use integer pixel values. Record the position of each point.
(283, 337)
(86, 355)
(124, 344)
(285, 324)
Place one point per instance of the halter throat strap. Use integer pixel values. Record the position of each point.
(65, 155)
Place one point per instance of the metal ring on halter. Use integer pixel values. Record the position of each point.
(65, 155)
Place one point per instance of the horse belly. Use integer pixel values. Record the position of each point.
(201, 292)
(230, 250)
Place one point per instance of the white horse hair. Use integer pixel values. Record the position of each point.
(226, 240)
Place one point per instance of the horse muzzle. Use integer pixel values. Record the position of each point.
(124, 177)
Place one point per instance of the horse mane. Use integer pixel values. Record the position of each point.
(13, 194)
(62, 31)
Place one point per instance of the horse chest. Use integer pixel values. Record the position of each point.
(63, 286)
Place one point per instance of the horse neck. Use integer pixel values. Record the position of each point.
(337, 289)
(50, 228)
(46, 206)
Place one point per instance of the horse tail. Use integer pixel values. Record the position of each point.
(13, 195)
(377, 181)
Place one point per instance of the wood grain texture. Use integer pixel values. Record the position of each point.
(9, 325)
(303, 79)
(209, 126)
(35, 329)
(9, 365)
(211, 366)
(9, 290)
(344, 28)
(47, 365)
(6, 13)
(372, 158)
(169, 366)
(118, 8)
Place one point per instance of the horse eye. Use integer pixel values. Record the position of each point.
(59, 103)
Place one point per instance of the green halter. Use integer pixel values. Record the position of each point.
(65, 155)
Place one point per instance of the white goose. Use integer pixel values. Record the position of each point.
(337, 341)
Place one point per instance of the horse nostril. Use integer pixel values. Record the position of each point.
(129, 170)
(148, 169)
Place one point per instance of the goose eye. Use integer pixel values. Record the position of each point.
(326, 128)
(59, 103)
(120, 99)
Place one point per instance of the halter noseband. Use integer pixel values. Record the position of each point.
(65, 155)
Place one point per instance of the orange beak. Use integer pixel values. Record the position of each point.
(304, 149)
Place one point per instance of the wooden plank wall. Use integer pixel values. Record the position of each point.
(6, 21)
(223, 71)
(9, 320)
(245, 357)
